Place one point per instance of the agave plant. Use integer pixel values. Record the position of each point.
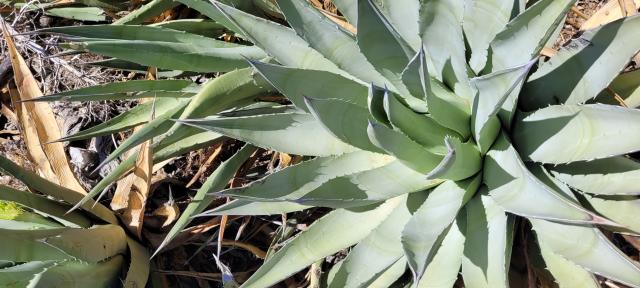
(44, 246)
(430, 127)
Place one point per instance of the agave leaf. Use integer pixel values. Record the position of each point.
(203, 27)
(357, 189)
(117, 96)
(438, 212)
(93, 14)
(461, 161)
(151, 9)
(328, 38)
(216, 181)
(139, 265)
(124, 88)
(492, 91)
(337, 230)
(562, 134)
(593, 252)
(566, 273)
(300, 179)
(445, 266)
(483, 20)
(609, 176)
(22, 274)
(489, 236)
(416, 76)
(441, 32)
(374, 254)
(410, 153)
(344, 120)
(382, 45)
(44, 186)
(91, 245)
(348, 8)
(281, 42)
(375, 103)
(176, 56)
(134, 67)
(44, 205)
(77, 274)
(527, 34)
(585, 67)
(420, 128)
(404, 16)
(622, 210)
(251, 208)
(627, 86)
(21, 250)
(136, 116)
(138, 32)
(276, 131)
(514, 188)
(294, 84)
(449, 110)
(390, 275)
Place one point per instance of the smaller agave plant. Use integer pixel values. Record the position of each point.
(44, 245)
(429, 151)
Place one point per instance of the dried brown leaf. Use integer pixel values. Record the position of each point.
(611, 11)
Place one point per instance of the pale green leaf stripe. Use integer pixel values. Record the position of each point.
(343, 120)
(300, 179)
(514, 188)
(561, 134)
(437, 213)
(251, 208)
(176, 56)
(441, 31)
(622, 210)
(566, 273)
(124, 87)
(331, 40)
(138, 32)
(492, 92)
(363, 188)
(43, 205)
(445, 266)
(489, 237)
(337, 230)
(382, 45)
(294, 84)
(593, 252)
(375, 254)
(527, 34)
(216, 181)
(281, 42)
(584, 67)
(276, 131)
(483, 20)
(610, 176)
(81, 274)
(44, 186)
(131, 118)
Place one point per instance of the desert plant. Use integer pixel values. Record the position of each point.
(430, 134)
(44, 246)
